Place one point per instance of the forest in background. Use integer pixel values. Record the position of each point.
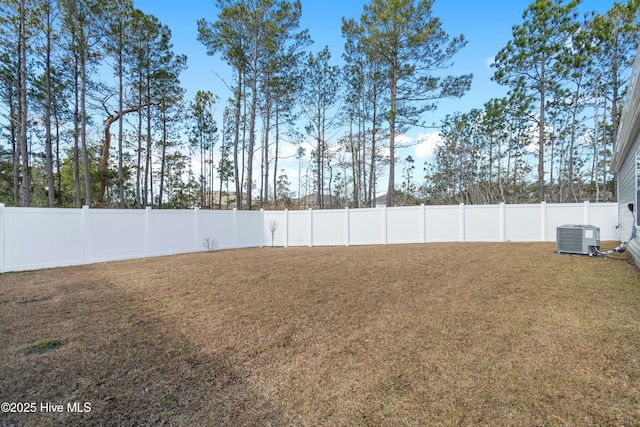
(92, 111)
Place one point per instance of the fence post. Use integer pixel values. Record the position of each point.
(235, 228)
(196, 212)
(502, 222)
(286, 228)
(2, 237)
(346, 226)
(423, 227)
(86, 245)
(543, 216)
(147, 230)
(263, 228)
(587, 212)
(462, 230)
(384, 225)
(310, 227)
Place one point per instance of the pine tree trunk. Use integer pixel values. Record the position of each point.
(22, 107)
(83, 129)
(47, 113)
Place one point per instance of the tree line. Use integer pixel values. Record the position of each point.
(551, 138)
(93, 111)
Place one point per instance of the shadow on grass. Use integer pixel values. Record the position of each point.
(117, 363)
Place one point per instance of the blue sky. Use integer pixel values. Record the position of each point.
(486, 25)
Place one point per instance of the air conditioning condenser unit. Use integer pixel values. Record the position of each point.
(578, 239)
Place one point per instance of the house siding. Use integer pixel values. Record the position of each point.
(627, 147)
(627, 194)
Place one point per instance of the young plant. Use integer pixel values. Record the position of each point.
(210, 244)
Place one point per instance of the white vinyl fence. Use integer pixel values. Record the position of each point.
(33, 238)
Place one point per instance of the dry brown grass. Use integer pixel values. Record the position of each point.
(433, 334)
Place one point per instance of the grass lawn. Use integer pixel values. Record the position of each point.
(496, 334)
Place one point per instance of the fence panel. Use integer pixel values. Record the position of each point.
(116, 234)
(600, 214)
(404, 225)
(482, 223)
(278, 220)
(170, 232)
(42, 238)
(328, 227)
(33, 238)
(561, 214)
(299, 228)
(218, 226)
(523, 223)
(249, 229)
(442, 224)
(366, 226)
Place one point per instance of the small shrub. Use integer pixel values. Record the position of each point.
(210, 244)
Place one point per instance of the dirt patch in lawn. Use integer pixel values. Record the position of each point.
(436, 334)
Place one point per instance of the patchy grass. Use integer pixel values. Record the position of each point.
(433, 334)
(44, 346)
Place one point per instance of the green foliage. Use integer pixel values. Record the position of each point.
(66, 197)
(48, 344)
(203, 136)
(6, 178)
(322, 85)
(572, 71)
(410, 44)
(283, 189)
(43, 347)
(482, 157)
(252, 36)
(566, 76)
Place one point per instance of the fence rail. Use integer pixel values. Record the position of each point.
(33, 238)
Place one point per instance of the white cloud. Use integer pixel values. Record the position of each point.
(489, 61)
(426, 145)
(402, 139)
